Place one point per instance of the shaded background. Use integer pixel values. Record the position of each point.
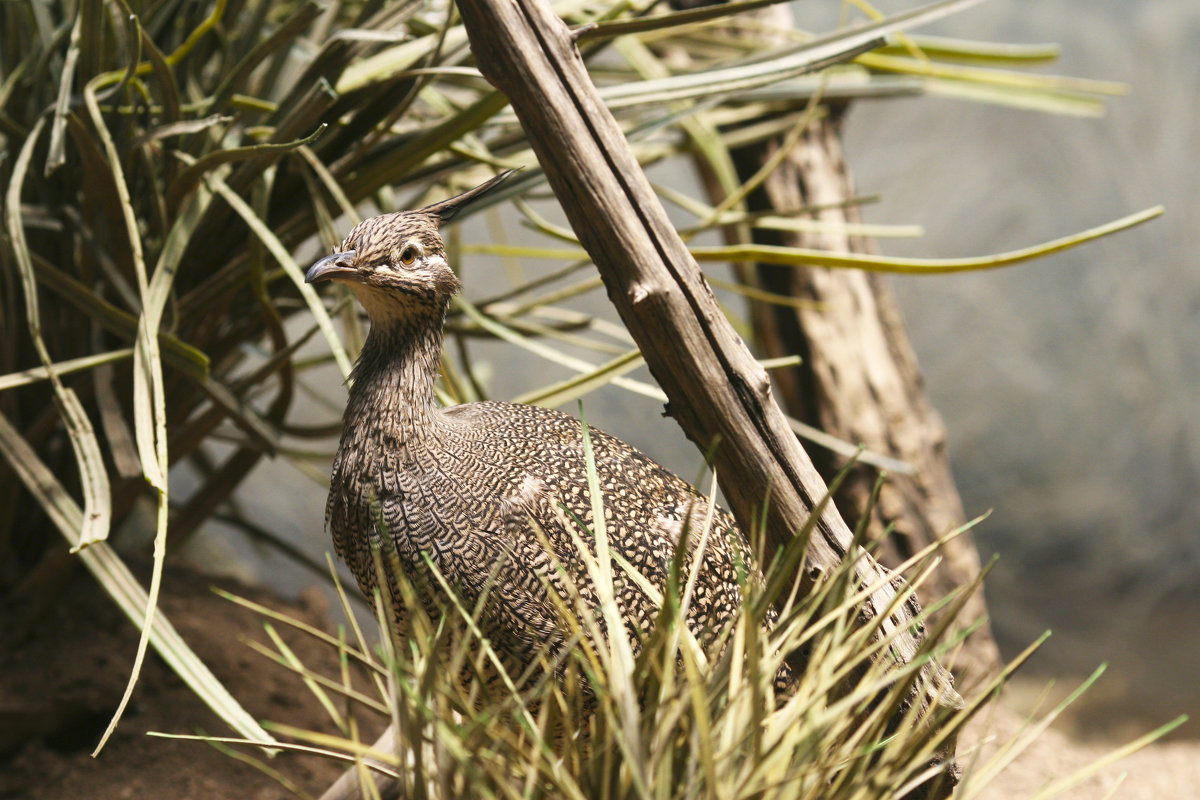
(1069, 385)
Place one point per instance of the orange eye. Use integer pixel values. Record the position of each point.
(408, 256)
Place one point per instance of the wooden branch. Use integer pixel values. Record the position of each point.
(718, 392)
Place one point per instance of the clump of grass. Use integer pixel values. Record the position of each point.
(610, 712)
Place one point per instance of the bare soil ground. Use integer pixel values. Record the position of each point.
(57, 692)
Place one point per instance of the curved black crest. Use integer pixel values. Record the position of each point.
(446, 210)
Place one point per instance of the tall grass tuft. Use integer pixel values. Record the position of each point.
(610, 711)
(620, 713)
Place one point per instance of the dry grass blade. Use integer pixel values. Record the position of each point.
(314, 681)
(97, 514)
(56, 156)
(103, 562)
(366, 659)
(246, 758)
(268, 743)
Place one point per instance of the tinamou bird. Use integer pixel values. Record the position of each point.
(488, 491)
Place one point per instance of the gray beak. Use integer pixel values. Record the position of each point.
(338, 265)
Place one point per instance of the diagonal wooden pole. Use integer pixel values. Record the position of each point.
(718, 392)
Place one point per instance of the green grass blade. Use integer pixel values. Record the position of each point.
(1050, 102)
(549, 353)
(995, 77)
(808, 57)
(675, 19)
(144, 407)
(801, 257)
(35, 374)
(942, 47)
(1070, 781)
(620, 684)
(563, 392)
(848, 450)
(294, 663)
(178, 354)
(196, 170)
(293, 270)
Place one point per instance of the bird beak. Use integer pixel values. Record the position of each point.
(338, 265)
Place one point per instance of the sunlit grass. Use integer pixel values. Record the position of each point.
(652, 715)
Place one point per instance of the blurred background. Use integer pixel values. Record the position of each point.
(1068, 385)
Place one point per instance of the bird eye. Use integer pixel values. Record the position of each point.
(408, 256)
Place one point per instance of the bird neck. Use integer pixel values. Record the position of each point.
(393, 380)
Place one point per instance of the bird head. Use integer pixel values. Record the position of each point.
(396, 263)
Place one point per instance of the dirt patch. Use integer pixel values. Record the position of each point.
(58, 690)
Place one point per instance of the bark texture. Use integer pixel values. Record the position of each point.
(718, 391)
(859, 379)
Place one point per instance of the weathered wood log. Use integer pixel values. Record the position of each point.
(718, 392)
(859, 379)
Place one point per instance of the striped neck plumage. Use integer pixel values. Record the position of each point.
(393, 380)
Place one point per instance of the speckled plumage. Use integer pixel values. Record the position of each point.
(472, 485)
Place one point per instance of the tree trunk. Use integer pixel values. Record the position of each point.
(859, 379)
